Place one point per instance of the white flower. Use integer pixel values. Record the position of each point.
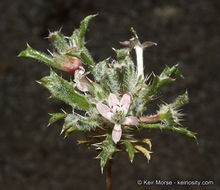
(116, 113)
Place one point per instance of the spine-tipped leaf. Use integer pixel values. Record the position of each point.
(146, 141)
(29, 52)
(56, 116)
(122, 53)
(80, 123)
(107, 76)
(83, 28)
(64, 91)
(59, 42)
(163, 79)
(180, 130)
(180, 101)
(99, 91)
(130, 149)
(108, 148)
(144, 151)
(169, 71)
(86, 57)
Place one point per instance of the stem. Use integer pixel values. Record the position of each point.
(180, 130)
(109, 175)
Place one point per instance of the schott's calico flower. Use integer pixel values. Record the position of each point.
(110, 75)
(116, 113)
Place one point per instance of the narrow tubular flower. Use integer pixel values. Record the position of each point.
(139, 54)
(116, 113)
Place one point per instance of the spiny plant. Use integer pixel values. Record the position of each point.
(110, 107)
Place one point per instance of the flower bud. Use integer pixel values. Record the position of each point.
(71, 64)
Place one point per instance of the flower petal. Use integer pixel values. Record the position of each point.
(78, 74)
(125, 101)
(104, 111)
(116, 133)
(82, 87)
(131, 120)
(113, 100)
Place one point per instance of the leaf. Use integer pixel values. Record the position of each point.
(144, 151)
(77, 40)
(99, 71)
(108, 148)
(87, 59)
(171, 71)
(147, 141)
(157, 84)
(121, 72)
(166, 113)
(56, 116)
(180, 130)
(29, 52)
(79, 142)
(130, 149)
(59, 42)
(99, 91)
(64, 91)
(76, 123)
(80, 123)
(180, 101)
(70, 131)
(84, 26)
(163, 79)
(105, 75)
(121, 53)
(74, 39)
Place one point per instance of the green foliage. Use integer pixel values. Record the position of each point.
(108, 148)
(99, 91)
(77, 123)
(118, 76)
(180, 130)
(130, 149)
(163, 79)
(59, 42)
(83, 28)
(103, 73)
(87, 58)
(29, 52)
(180, 101)
(56, 116)
(64, 91)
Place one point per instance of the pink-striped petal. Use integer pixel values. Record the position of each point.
(78, 73)
(131, 120)
(82, 87)
(116, 133)
(113, 100)
(125, 102)
(104, 111)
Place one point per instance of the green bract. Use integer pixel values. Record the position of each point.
(118, 77)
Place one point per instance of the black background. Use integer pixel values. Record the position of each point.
(33, 156)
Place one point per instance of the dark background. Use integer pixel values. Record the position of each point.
(35, 157)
